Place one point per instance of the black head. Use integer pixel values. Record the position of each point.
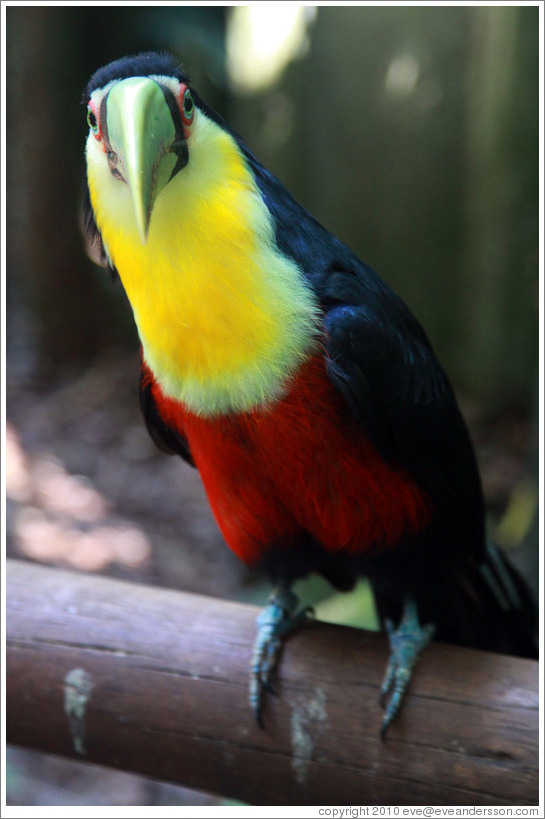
(146, 64)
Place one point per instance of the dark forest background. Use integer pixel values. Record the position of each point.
(411, 133)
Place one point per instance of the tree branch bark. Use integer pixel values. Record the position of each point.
(156, 682)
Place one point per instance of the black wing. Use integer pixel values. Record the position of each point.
(381, 360)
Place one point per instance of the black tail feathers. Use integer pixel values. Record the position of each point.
(491, 608)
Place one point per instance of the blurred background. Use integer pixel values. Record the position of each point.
(410, 132)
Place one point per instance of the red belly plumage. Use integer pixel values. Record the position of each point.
(302, 464)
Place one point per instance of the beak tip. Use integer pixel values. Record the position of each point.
(143, 230)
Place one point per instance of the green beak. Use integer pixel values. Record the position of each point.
(146, 144)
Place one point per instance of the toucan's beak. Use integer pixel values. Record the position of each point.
(145, 141)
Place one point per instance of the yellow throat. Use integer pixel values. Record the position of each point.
(224, 318)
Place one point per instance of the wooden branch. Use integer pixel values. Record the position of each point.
(156, 682)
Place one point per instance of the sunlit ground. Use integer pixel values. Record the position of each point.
(61, 517)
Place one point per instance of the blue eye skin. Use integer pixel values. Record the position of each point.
(92, 120)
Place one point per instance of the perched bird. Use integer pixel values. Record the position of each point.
(300, 386)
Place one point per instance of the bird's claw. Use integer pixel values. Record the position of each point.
(406, 644)
(274, 623)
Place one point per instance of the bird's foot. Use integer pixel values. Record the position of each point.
(274, 623)
(406, 644)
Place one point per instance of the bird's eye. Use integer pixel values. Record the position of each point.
(92, 121)
(188, 107)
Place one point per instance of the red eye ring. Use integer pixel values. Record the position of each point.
(187, 105)
(93, 123)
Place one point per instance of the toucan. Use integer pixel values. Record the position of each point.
(326, 433)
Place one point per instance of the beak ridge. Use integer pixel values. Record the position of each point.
(141, 132)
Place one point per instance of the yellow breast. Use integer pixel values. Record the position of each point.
(224, 318)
